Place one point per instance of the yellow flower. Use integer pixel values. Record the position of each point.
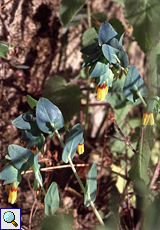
(148, 118)
(80, 148)
(11, 190)
(33, 149)
(102, 92)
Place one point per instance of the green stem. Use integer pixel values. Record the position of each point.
(39, 180)
(79, 181)
(59, 138)
(82, 187)
(87, 107)
(141, 98)
(96, 213)
(75, 173)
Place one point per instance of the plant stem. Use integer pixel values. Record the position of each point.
(96, 213)
(59, 138)
(82, 187)
(79, 181)
(76, 174)
(39, 180)
(141, 98)
(87, 75)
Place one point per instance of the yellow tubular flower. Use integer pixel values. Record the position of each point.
(148, 118)
(11, 190)
(33, 149)
(102, 92)
(80, 148)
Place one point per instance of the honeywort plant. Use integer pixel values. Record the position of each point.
(106, 57)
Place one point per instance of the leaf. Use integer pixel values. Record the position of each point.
(134, 83)
(144, 17)
(49, 117)
(139, 168)
(116, 96)
(10, 174)
(110, 53)
(99, 69)
(89, 37)
(51, 200)
(90, 49)
(117, 25)
(68, 9)
(66, 97)
(22, 158)
(154, 70)
(89, 61)
(33, 137)
(20, 123)
(21, 67)
(71, 145)
(106, 32)
(105, 76)
(31, 101)
(38, 176)
(4, 49)
(121, 2)
(91, 185)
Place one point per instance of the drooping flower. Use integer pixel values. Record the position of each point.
(11, 190)
(80, 148)
(148, 118)
(33, 149)
(102, 92)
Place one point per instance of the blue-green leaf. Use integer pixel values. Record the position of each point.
(33, 136)
(110, 53)
(49, 117)
(105, 76)
(10, 174)
(71, 145)
(91, 49)
(106, 32)
(22, 158)
(91, 185)
(37, 174)
(134, 83)
(20, 123)
(51, 200)
(89, 61)
(99, 69)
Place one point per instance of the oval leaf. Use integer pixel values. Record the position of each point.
(134, 83)
(99, 69)
(20, 123)
(110, 53)
(49, 117)
(91, 185)
(10, 174)
(106, 32)
(22, 158)
(51, 200)
(71, 145)
(140, 165)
